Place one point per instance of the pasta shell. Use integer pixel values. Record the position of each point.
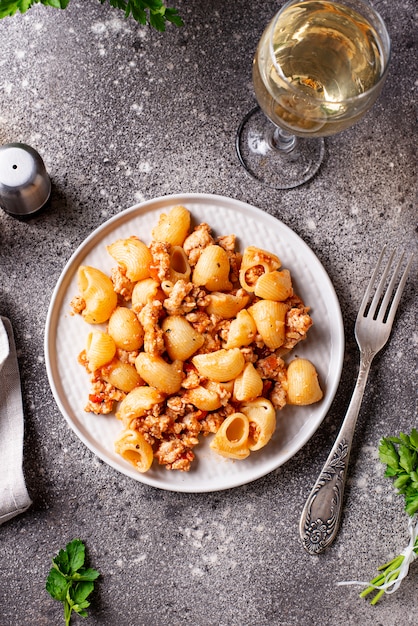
(145, 291)
(166, 377)
(269, 317)
(137, 402)
(221, 365)
(231, 440)
(180, 338)
(248, 385)
(226, 305)
(100, 349)
(121, 375)
(302, 383)
(262, 417)
(97, 291)
(125, 328)
(274, 286)
(255, 262)
(212, 269)
(179, 265)
(203, 399)
(132, 446)
(174, 227)
(133, 255)
(242, 331)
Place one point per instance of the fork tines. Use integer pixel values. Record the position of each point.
(384, 303)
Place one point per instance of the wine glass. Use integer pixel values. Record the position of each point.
(318, 68)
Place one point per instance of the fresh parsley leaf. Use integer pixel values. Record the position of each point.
(10, 7)
(400, 454)
(152, 12)
(388, 454)
(69, 581)
(56, 585)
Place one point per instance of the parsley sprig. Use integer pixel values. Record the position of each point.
(400, 454)
(69, 581)
(152, 12)
(401, 457)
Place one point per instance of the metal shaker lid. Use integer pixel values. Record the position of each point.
(24, 182)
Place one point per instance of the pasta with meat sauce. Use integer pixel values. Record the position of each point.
(195, 339)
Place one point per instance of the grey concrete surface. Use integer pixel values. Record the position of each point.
(120, 114)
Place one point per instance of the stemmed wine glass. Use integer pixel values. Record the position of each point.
(318, 68)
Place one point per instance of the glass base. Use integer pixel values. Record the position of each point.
(274, 157)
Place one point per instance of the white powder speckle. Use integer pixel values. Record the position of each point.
(137, 108)
(145, 167)
(210, 558)
(98, 28)
(311, 224)
(6, 87)
(196, 571)
(362, 482)
(139, 197)
(257, 144)
(140, 559)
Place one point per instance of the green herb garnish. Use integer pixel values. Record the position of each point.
(69, 581)
(400, 455)
(153, 12)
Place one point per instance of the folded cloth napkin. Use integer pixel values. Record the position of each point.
(14, 498)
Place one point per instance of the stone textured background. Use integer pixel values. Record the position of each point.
(120, 114)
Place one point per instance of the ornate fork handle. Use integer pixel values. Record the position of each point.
(321, 514)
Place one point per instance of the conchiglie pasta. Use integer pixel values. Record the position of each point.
(166, 377)
(132, 446)
(203, 398)
(96, 289)
(179, 265)
(227, 305)
(220, 365)
(231, 440)
(125, 328)
(212, 269)
(242, 331)
(100, 349)
(146, 291)
(269, 318)
(256, 262)
(302, 383)
(274, 286)
(180, 338)
(262, 417)
(174, 227)
(248, 385)
(133, 256)
(121, 375)
(137, 402)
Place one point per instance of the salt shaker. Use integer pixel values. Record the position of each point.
(24, 182)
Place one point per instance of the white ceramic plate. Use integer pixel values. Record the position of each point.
(66, 335)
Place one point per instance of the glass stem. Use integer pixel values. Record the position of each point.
(282, 140)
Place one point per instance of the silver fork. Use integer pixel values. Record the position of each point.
(321, 514)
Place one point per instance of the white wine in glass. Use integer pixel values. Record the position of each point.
(318, 68)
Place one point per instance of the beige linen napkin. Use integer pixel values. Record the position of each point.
(14, 498)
